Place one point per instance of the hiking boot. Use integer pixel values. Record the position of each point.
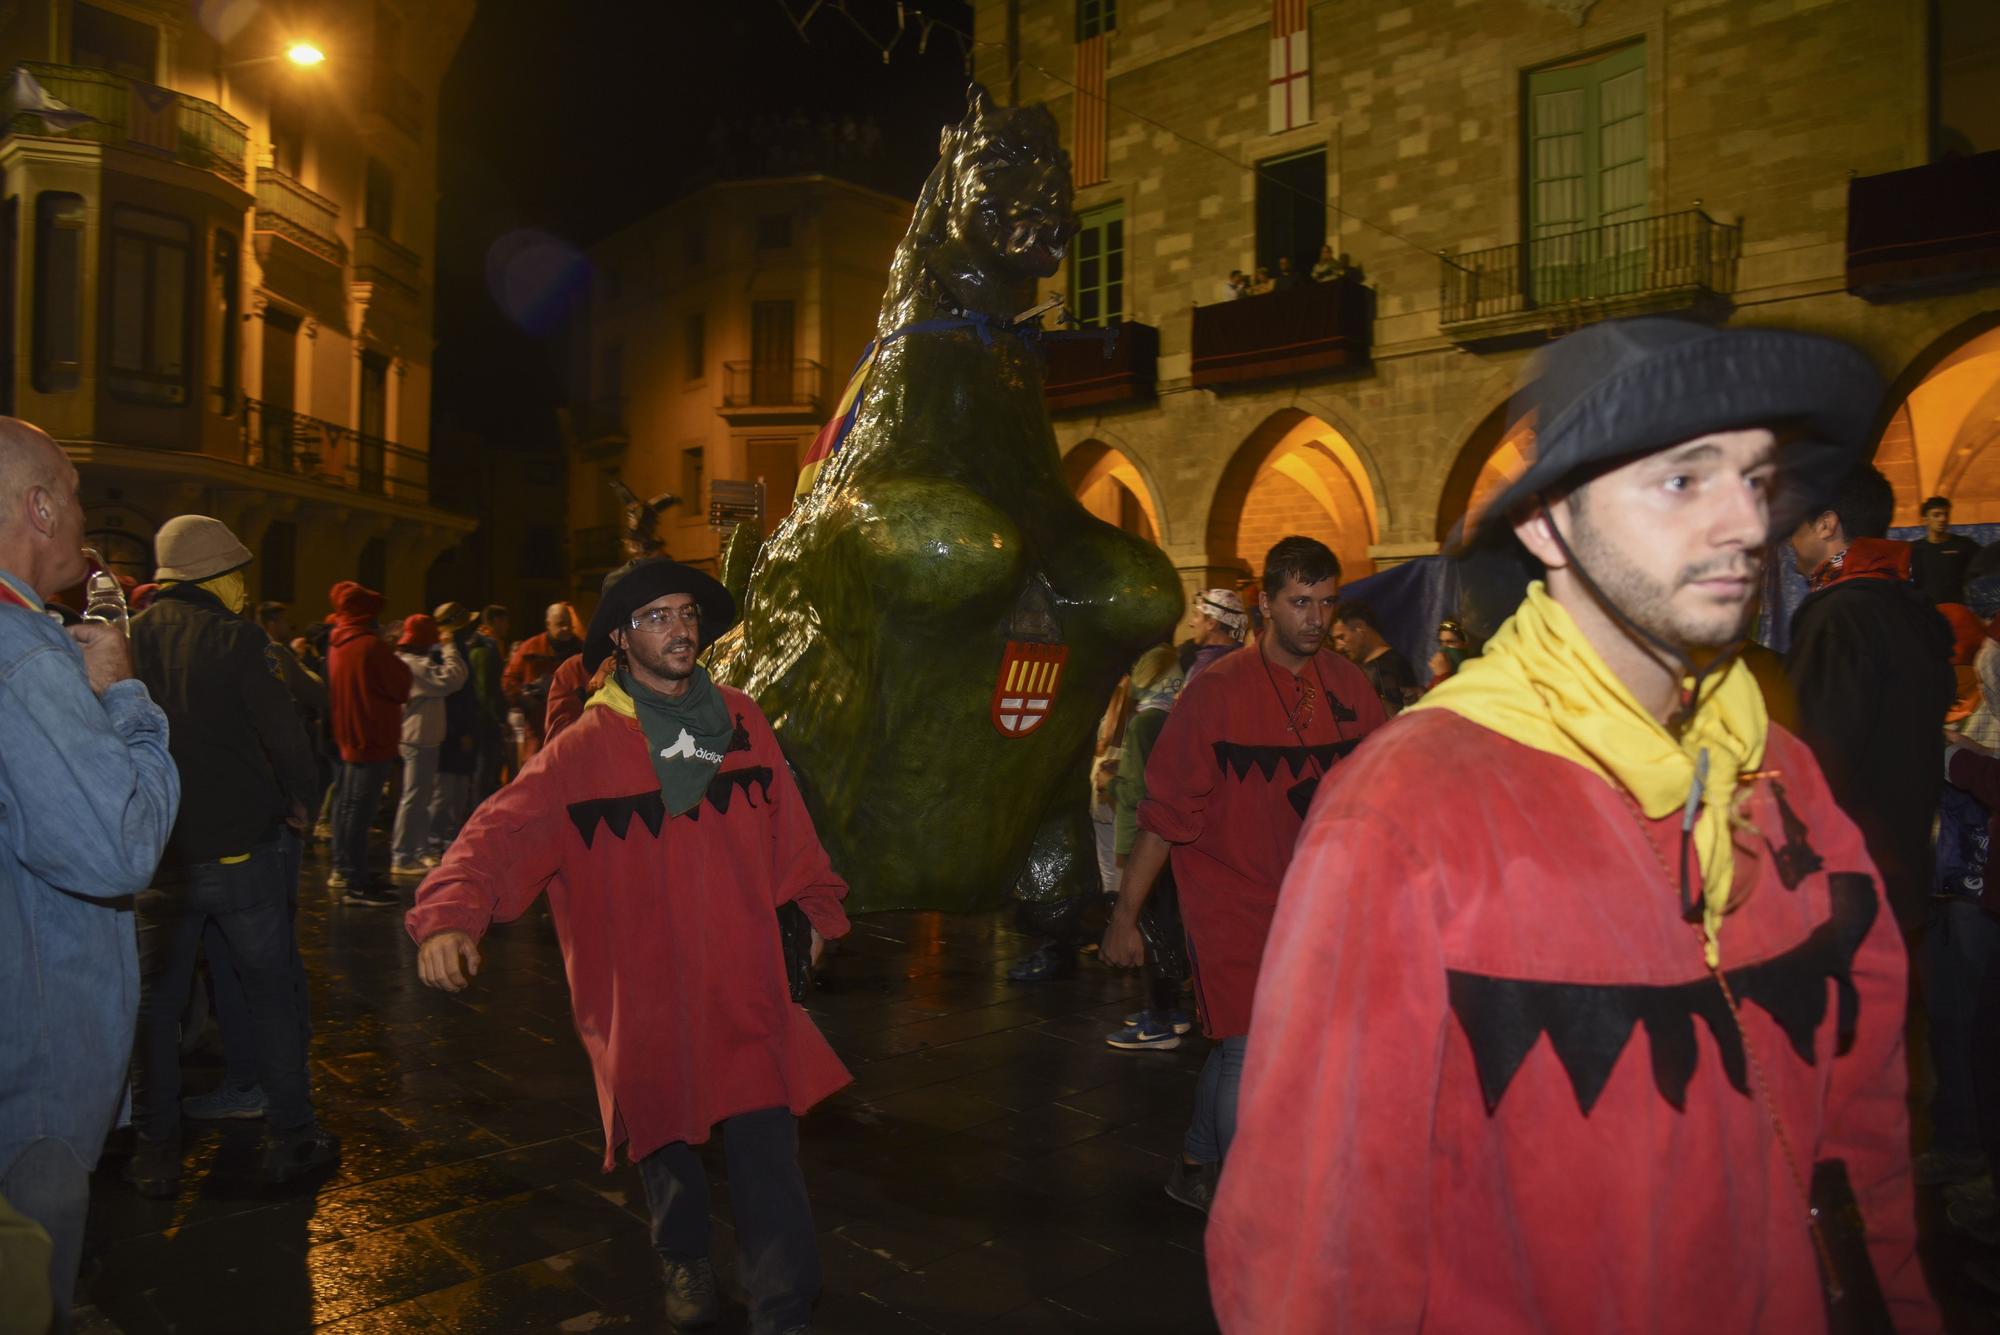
(1193, 1184)
(690, 1297)
(1048, 962)
(408, 871)
(371, 896)
(225, 1101)
(154, 1170)
(1150, 1031)
(292, 1157)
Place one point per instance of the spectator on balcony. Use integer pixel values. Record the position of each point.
(1237, 286)
(1263, 282)
(437, 669)
(535, 661)
(1329, 268)
(369, 684)
(1287, 277)
(488, 660)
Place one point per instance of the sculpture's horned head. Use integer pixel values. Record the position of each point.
(1010, 192)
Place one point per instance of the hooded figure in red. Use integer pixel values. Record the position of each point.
(368, 683)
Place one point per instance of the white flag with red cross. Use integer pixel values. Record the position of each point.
(1291, 63)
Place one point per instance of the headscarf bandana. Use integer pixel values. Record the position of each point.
(1540, 683)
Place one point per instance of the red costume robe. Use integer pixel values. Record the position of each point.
(1227, 785)
(668, 923)
(1491, 1085)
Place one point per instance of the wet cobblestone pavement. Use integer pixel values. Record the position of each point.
(994, 1166)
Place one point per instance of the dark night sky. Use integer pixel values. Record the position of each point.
(578, 118)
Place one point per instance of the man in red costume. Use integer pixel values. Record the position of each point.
(1227, 785)
(1564, 947)
(667, 831)
(369, 686)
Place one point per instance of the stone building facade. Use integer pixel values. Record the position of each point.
(1497, 173)
(217, 275)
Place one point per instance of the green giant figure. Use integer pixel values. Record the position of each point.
(937, 626)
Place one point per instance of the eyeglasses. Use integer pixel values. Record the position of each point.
(654, 618)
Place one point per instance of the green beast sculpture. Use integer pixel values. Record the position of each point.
(936, 628)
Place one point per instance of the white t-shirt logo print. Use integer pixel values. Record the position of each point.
(685, 749)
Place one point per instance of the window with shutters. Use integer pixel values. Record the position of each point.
(1097, 268)
(1094, 18)
(151, 256)
(58, 319)
(1589, 191)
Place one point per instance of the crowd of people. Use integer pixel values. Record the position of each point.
(1328, 268)
(1563, 982)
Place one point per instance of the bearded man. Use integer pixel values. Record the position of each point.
(667, 830)
(1579, 975)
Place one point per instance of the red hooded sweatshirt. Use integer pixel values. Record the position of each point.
(368, 682)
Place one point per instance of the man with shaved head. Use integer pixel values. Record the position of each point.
(88, 795)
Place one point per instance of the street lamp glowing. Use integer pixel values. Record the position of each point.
(305, 53)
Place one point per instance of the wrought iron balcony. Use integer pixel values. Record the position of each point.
(1101, 368)
(378, 259)
(1313, 329)
(771, 391)
(304, 217)
(1675, 261)
(1925, 229)
(288, 442)
(139, 116)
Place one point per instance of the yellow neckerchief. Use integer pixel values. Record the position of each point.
(229, 587)
(1541, 683)
(613, 697)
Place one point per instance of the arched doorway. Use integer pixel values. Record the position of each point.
(1491, 457)
(1110, 487)
(1943, 439)
(1293, 474)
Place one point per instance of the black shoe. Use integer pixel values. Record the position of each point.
(690, 1299)
(1193, 1184)
(371, 896)
(1048, 962)
(294, 1157)
(154, 1170)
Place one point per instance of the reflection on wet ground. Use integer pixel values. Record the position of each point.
(994, 1167)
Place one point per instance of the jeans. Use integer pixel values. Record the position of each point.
(777, 1255)
(413, 813)
(232, 1011)
(486, 766)
(451, 805)
(353, 812)
(248, 902)
(47, 1183)
(1958, 951)
(1214, 1124)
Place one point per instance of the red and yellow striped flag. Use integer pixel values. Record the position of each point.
(1087, 153)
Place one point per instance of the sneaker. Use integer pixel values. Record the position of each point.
(1193, 1184)
(429, 860)
(1179, 1019)
(408, 871)
(1050, 961)
(1936, 1168)
(294, 1157)
(690, 1298)
(322, 833)
(371, 896)
(336, 880)
(154, 1170)
(225, 1101)
(1149, 1031)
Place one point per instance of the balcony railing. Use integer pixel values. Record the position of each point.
(1101, 368)
(1313, 329)
(757, 384)
(287, 442)
(1925, 229)
(1642, 264)
(598, 547)
(140, 116)
(381, 260)
(304, 217)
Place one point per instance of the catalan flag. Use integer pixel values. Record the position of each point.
(1087, 153)
(828, 442)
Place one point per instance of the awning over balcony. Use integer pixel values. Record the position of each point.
(1312, 329)
(1924, 227)
(1101, 368)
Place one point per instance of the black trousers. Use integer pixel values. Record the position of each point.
(777, 1254)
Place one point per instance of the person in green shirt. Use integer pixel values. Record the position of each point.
(1156, 682)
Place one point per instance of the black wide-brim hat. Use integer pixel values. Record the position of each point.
(1625, 388)
(645, 580)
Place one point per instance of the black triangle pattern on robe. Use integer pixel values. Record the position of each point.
(1589, 1024)
(1239, 758)
(1797, 859)
(740, 739)
(616, 813)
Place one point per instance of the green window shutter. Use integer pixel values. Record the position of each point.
(1588, 185)
(1097, 267)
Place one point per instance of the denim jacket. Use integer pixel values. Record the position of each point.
(87, 800)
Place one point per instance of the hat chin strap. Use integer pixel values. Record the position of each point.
(1690, 693)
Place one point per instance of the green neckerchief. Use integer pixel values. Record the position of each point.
(686, 736)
